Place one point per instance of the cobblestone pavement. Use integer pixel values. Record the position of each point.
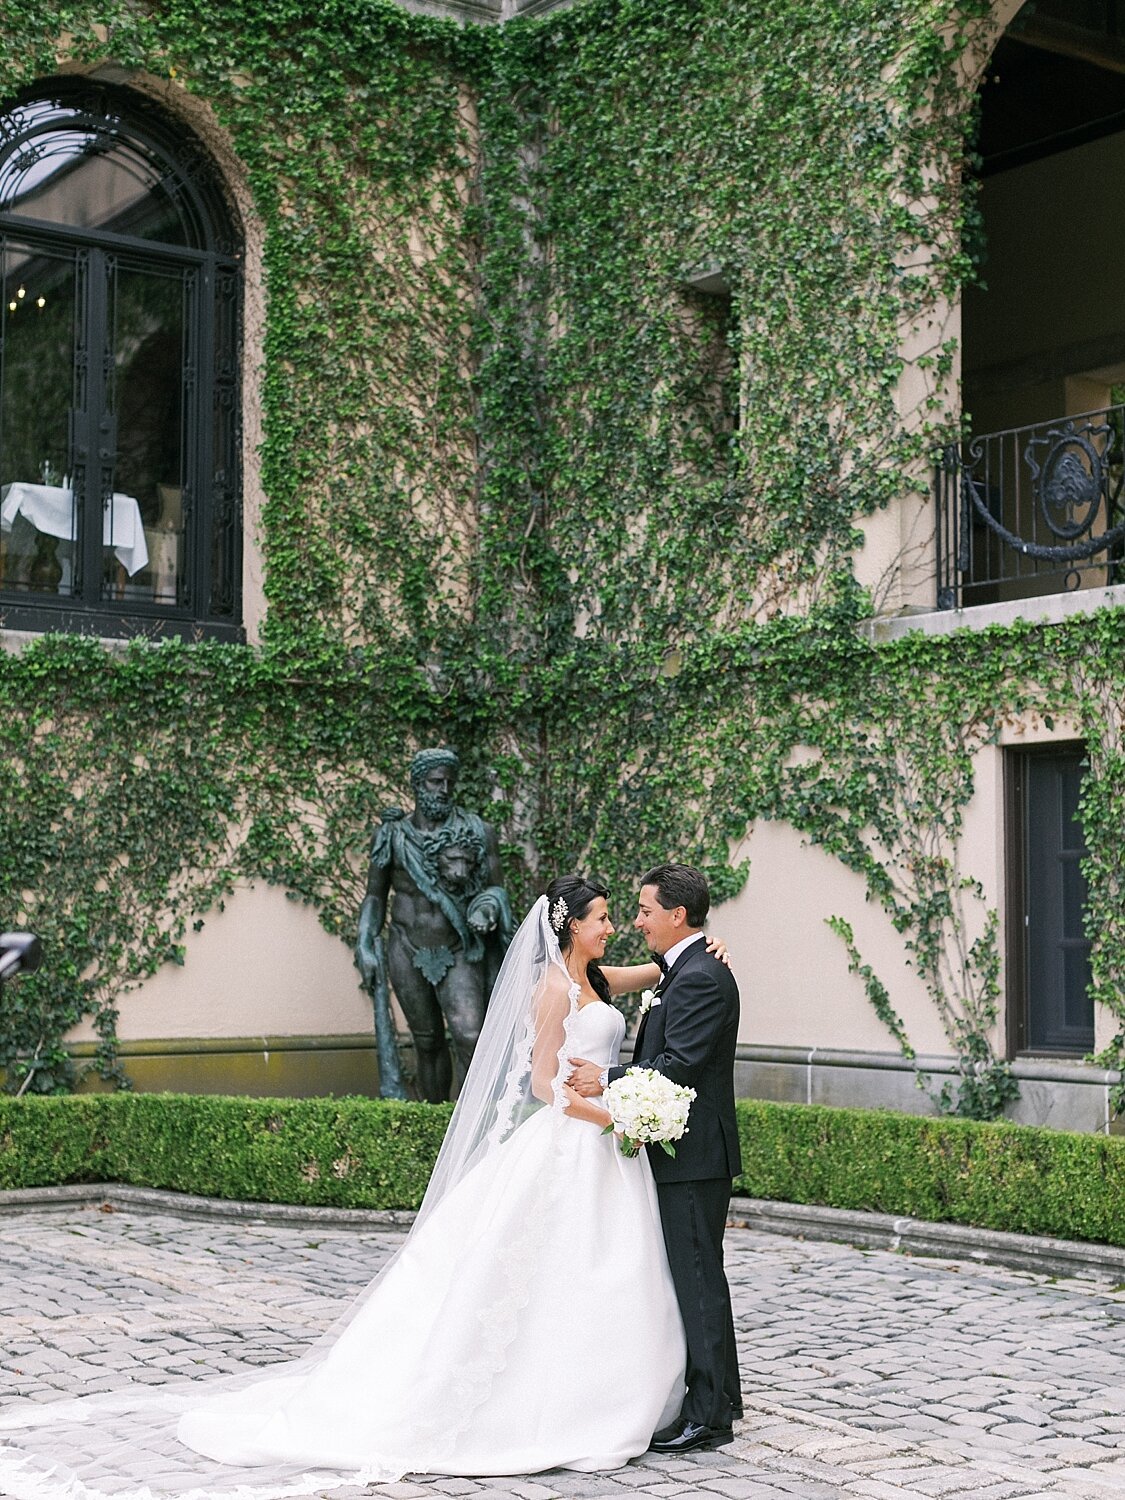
(865, 1373)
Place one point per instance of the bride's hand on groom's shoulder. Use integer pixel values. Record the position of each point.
(717, 947)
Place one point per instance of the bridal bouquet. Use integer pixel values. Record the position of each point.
(647, 1108)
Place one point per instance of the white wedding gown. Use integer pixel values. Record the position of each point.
(529, 1323)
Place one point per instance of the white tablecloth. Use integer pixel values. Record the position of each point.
(50, 509)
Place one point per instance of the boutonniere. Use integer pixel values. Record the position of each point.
(649, 998)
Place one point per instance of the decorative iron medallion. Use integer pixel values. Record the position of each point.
(1073, 488)
(1071, 483)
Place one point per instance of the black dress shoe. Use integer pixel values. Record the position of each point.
(686, 1437)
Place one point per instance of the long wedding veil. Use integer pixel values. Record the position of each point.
(497, 1092)
(124, 1444)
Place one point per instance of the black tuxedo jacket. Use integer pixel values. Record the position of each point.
(690, 1038)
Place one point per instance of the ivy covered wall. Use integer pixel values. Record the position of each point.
(530, 494)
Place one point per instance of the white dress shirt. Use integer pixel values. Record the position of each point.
(669, 958)
(681, 947)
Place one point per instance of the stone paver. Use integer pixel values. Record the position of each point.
(866, 1374)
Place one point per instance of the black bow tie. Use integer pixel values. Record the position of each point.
(662, 962)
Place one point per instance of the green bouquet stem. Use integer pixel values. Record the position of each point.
(630, 1147)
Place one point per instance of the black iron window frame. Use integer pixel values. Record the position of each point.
(209, 601)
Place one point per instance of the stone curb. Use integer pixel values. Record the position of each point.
(157, 1200)
(1021, 1252)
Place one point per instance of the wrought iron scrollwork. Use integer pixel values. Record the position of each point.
(1072, 477)
(1050, 496)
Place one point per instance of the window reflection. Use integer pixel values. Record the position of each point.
(148, 344)
(36, 527)
(66, 170)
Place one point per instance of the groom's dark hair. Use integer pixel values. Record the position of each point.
(680, 885)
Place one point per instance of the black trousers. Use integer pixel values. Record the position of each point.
(694, 1215)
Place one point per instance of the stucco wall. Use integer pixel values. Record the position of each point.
(793, 969)
(263, 967)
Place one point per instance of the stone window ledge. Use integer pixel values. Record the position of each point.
(1049, 609)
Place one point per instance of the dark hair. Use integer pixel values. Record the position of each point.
(680, 885)
(569, 898)
(428, 760)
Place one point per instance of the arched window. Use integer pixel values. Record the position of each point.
(120, 494)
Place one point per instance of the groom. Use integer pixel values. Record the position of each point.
(689, 1035)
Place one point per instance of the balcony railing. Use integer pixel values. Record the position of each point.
(1030, 511)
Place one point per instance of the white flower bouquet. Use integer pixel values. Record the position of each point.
(647, 1108)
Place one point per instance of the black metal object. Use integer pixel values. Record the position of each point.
(1031, 510)
(179, 232)
(20, 953)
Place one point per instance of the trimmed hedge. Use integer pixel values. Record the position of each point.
(365, 1153)
(1019, 1178)
(347, 1153)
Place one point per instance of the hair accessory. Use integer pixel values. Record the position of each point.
(559, 913)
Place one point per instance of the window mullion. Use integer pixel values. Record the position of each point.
(94, 446)
(199, 360)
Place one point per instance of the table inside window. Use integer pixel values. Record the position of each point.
(50, 509)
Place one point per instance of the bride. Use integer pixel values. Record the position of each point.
(460, 1357)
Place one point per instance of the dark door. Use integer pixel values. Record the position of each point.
(1049, 954)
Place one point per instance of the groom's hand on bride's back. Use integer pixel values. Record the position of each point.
(586, 1077)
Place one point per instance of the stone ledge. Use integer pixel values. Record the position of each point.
(1053, 1069)
(1057, 1093)
(1046, 609)
(159, 1200)
(1019, 1252)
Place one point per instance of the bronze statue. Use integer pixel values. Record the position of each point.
(450, 923)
